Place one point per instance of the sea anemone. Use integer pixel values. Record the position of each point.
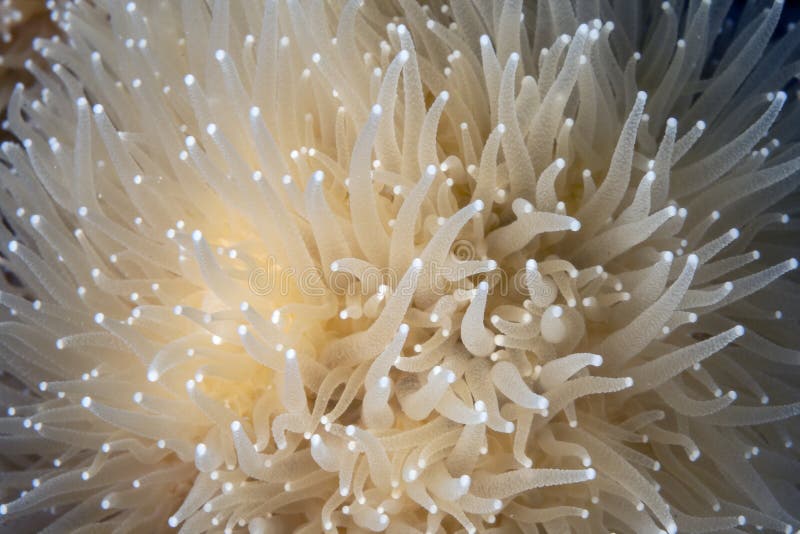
(379, 266)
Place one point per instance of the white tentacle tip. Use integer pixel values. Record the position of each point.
(628, 381)
(291, 354)
(172, 521)
(236, 426)
(591, 474)
(738, 330)
(377, 110)
(478, 205)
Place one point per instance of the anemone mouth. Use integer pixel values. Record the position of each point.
(392, 267)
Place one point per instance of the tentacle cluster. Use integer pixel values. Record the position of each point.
(477, 266)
